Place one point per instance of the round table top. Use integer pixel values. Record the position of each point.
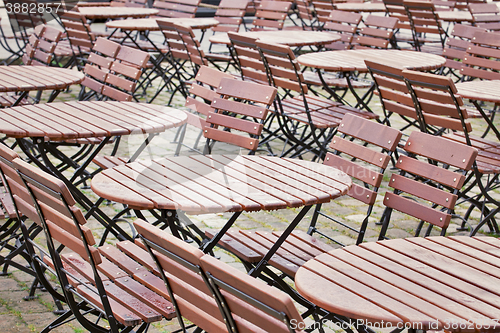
(368, 7)
(29, 78)
(455, 16)
(150, 24)
(70, 120)
(100, 12)
(219, 183)
(285, 37)
(354, 60)
(486, 90)
(445, 283)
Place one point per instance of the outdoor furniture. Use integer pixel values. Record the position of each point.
(271, 15)
(103, 12)
(48, 124)
(92, 284)
(177, 8)
(23, 79)
(230, 15)
(482, 57)
(345, 24)
(359, 140)
(361, 7)
(448, 114)
(456, 47)
(431, 283)
(213, 295)
(485, 15)
(377, 33)
(348, 62)
(307, 121)
(428, 34)
(112, 71)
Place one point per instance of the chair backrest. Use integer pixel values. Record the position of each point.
(306, 14)
(41, 45)
(174, 41)
(345, 24)
(485, 15)
(429, 181)
(230, 15)
(395, 8)
(483, 55)
(177, 8)
(232, 120)
(179, 266)
(249, 60)
(251, 303)
(192, 45)
(363, 151)
(322, 8)
(425, 24)
(437, 103)
(457, 44)
(283, 69)
(112, 70)
(197, 285)
(377, 32)
(393, 93)
(79, 34)
(271, 15)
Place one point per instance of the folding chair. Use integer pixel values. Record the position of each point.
(230, 15)
(104, 288)
(437, 104)
(485, 15)
(214, 296)
(456, 47)
(307, 121)
(428, 34)
(403, 35)
(178, 8)
(482, 57)
(430, 179)
(202, 93)
(322, 8)
(343, 23)
(377, 33)
(271, 15)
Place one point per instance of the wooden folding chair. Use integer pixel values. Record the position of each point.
(456, 47)
(112, 71)
(378, 32)
(201, 95)
(428, 34)
(230, 15)
(485, 15)
(482, 58)
(96, 283)
(271, 15)
(343, 23)
(214, 296)
(178, 8)
(437, 104)
(317, 117)
(403, 35)
(322, 8)
(429, 183)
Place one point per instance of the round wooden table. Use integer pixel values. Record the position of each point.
(149, 24)
(431, 283)
(53, 124)
(486, 90)
(23, 79)
(354, 60)
(103, 12)
(217, 184)
(287, 37)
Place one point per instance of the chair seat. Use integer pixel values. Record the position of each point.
(251, 246)
(332, 80)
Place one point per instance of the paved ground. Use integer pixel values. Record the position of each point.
(17, 315)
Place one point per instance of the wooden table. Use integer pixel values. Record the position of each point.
(350, 61)
(294, 38)
(23, 79)
(103, 12)
(149, 24)
(454, 16)
(482, 91)
(448, 283)
(48, 124)
(219, 183)
(366, 7)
